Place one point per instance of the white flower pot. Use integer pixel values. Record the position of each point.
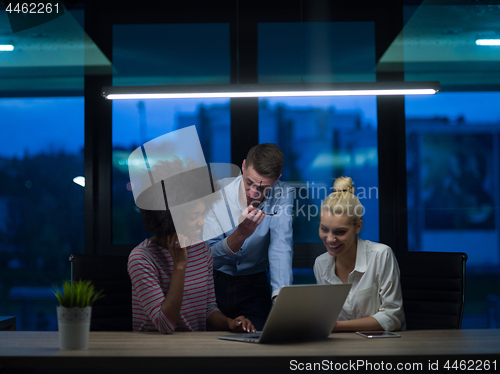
(74, 327)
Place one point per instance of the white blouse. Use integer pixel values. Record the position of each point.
(376, 289)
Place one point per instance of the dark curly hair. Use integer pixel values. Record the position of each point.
(187, 173)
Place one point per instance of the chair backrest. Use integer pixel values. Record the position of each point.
(433, 286)
(113, 312)
(304, 254)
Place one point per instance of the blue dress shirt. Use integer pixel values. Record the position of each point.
(271, 244)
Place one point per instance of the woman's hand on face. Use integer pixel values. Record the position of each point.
(177, 246)
(184, 241)
(241, 324)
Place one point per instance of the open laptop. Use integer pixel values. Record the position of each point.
(300, 313)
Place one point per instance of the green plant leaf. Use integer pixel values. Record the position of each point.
(81, 294)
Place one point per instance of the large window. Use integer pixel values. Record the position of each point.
(165, 54)
(42, 152)
(322, 138)
(452, 142)
(41, 207)
(453, 153)
(137, 122)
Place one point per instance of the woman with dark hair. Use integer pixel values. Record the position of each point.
(171, 272)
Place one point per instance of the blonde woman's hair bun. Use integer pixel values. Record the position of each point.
(343, 184)
(343, 202)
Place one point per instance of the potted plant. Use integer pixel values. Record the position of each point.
(74, 311)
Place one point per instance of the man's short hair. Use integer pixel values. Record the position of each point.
(267, 159)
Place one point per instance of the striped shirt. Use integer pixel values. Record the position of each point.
(150, 268)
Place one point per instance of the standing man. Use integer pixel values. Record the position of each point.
(261, 240)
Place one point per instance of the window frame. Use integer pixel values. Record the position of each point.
(243, 18)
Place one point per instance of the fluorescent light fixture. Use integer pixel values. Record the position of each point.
(6, 47)
(80, 181)
(271, 90)
(488, 42)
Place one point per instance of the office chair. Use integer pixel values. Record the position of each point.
(113, 312)
(433, 286)
(304, 254)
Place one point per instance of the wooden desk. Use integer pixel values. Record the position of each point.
(21, 350)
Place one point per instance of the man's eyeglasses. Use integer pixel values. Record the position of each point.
(276, 207)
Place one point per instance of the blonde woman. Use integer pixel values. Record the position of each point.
(375, 301)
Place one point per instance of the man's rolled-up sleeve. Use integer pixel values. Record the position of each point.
(281, 244)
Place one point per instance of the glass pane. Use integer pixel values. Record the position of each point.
(156, 54)
(438, 43)
(41, 207)
(159, 54)
(453, 163)
(48, 59)
(322, 139)
(316, 52)
(136, 122)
